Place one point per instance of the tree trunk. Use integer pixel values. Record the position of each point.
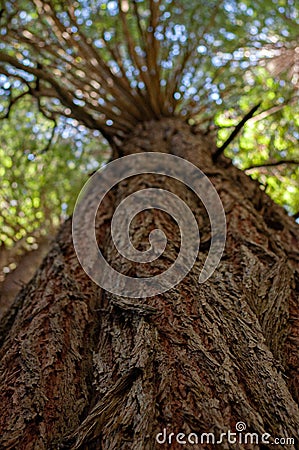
(82, 368)
(27, 264)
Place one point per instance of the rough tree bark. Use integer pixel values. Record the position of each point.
(82, 368)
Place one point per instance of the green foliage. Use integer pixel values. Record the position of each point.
(38, 187)
(268, 138)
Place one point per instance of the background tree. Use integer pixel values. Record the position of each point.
(87, 369)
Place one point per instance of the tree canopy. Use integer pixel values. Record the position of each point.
(90, 59)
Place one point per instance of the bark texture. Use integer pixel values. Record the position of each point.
(84, 369)
(27, 264)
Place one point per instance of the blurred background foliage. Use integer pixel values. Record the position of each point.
(42, 170)
(269, 141)
(210, 62)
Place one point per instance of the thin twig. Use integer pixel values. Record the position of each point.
(273, 163)
(274, 109)
(238, 128)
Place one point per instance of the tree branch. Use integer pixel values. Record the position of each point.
(274, 109)
(238, 128)
(274, 163)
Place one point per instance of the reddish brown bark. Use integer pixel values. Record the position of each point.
(27, 263)
(82, 368)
